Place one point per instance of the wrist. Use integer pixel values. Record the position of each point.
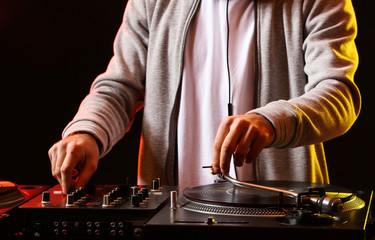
(98, 143)
(266, 124)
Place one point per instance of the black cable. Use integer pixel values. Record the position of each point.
(230, 105)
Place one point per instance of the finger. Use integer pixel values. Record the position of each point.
(53, 158)
(67, 169)
(56, 166)
(58, 160)
(86, 173)
(228, 148)
(218, 142)
(66, 181)
(257, 146)
(243, 147)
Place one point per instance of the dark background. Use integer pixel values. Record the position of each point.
(50, 52)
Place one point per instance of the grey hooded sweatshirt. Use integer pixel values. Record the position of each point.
(305, 63)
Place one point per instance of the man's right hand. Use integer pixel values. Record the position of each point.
(78, 149)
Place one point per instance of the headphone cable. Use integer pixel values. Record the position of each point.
(230, 104)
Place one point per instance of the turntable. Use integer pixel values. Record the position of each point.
(11, 196)
(270, 209)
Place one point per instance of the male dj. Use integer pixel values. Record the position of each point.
(285, 70)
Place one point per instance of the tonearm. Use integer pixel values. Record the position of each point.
(314, 199)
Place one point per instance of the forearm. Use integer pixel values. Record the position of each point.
(116, 95)
(323, 113)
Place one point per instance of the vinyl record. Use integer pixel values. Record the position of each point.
(10, 195)
(227, 194)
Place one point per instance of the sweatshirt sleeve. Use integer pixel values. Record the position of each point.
(331, 102)
(115, 96)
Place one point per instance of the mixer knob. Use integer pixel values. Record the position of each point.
(78, 194)
(159, 183)
(140, 195)
(46, 197)
(156, 184)
(145, 193)
(115, 193)
(110, 197)
(81, 191)
(69, 200)
(134, 190)
(115, 196)
(135, 201)
(105, 200)
(75, 196)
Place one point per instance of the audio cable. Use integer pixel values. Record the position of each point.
(230, 104)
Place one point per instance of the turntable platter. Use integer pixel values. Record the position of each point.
(228, 194)
(7, 187)
(10, 195)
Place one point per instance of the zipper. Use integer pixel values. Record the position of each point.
(256, 73)
(256, 60)
(171, 168)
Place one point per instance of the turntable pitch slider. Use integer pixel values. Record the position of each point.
(314, 199)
